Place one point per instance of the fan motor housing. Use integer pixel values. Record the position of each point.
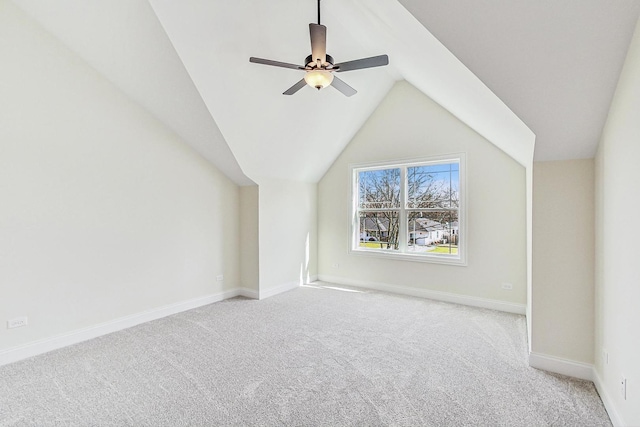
(311, 63)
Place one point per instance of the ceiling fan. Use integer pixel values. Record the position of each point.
(319, 66)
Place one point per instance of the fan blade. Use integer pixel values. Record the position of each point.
(275, 63)
(318, 42)
(343, 87)
(357, 64)
(296, 87)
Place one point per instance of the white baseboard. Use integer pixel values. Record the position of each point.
(248, 293)
(580, 370)
(435, 295)
(267, 293)
(34, 348)
(558, 365)
(53, 343)
(616, 420)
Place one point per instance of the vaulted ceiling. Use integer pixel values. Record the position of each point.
(553, 66)
(554, 63)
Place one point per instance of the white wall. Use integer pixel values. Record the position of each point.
(104, 212)
(408, 124)
(288, 235)
(563, 259)
(249, 239)
(617, 236)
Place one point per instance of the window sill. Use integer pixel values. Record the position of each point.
(432, 259)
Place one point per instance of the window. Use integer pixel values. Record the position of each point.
(411, 210)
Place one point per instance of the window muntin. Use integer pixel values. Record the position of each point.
(411, 209)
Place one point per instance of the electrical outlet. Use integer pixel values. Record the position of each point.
(623, 387)
(220, 277)
(507, 286)
(17, 322)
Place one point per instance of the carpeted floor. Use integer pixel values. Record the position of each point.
(319, 355)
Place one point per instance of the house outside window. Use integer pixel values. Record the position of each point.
(411, 210)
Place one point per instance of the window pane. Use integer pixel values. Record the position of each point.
(379, 189)
(379, 230)
(433, 186)
(433, 232)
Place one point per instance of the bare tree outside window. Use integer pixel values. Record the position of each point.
(379, 192)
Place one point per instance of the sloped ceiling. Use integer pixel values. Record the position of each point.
(231, 111)
(123, 40)
(273, 136)
(554, 64)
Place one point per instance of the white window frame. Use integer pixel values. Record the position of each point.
(402, 253)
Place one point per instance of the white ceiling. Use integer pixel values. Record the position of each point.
(123, 40)
(554, 63)
(272, 135)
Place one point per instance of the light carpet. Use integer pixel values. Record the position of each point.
(320, 355)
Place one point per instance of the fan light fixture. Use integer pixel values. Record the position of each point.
(318, 78)
(319, 66)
